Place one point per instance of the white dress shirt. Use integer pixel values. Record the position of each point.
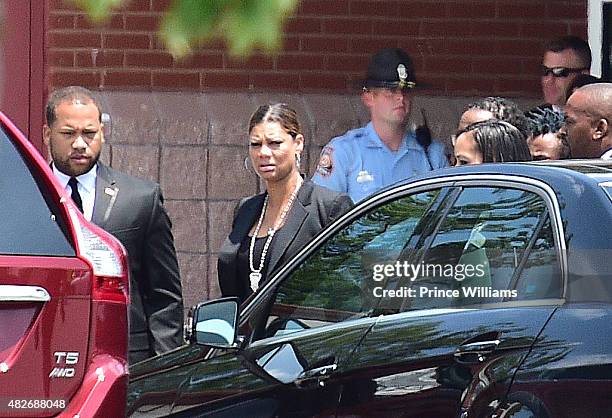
(86, 184)
(607, 155)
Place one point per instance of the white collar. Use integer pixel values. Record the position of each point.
(87, 180)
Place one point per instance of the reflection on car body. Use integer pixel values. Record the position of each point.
(498, 291)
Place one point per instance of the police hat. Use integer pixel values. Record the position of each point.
(390, 68)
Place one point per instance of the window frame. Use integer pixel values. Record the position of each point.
(454, 194)
(451, 182)
(544, 191)
(595, 26)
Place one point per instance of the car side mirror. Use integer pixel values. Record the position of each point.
(214, 323)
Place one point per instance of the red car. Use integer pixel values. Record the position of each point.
(63, 297)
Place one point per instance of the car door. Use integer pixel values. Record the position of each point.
(299, 333)
(296, 338)
(465, 301)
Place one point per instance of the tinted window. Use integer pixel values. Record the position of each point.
(29, 226)
(540, 277)
(495, 244)
(335, 283)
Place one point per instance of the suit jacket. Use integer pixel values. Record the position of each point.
(132, 210)
(313, 209)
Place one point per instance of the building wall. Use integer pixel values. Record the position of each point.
(459, 47)
(183, 123)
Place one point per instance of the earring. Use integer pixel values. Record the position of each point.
(298, 160)
(246, 164)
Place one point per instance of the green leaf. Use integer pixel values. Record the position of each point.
(244, 25)
(98, 10)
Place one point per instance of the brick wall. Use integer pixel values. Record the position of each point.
(183, 124)
(460, 47)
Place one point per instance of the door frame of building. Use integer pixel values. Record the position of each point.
(595, 33)
(24, 73)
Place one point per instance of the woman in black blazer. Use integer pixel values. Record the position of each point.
(271, 227)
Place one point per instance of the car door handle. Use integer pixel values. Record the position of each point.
(19, 293)
(475, 352)
(317, 375)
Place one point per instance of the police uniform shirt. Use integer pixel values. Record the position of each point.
(359, 163)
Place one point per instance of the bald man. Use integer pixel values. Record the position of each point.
(588, 121)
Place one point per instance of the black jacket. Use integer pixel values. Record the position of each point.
(132, 210)
(314, 208)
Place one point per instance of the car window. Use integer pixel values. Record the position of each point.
(30, 227)
(494, 244)
(540, 277)
(335, 283)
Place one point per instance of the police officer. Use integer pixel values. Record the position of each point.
(383, 152)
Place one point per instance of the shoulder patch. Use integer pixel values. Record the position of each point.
(326, 162)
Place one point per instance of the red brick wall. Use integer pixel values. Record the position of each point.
(459, 47)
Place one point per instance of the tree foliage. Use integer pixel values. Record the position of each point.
(244, 25)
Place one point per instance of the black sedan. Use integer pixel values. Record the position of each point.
(480, 291)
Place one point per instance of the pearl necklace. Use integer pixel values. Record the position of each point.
(255, 275)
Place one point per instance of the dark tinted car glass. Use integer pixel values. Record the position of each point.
(336, 283)
(490, 237)
(540, 277)
(28, 226)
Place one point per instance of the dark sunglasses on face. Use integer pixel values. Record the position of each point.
(560, 71)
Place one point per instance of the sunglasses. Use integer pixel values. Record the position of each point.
(560, 71)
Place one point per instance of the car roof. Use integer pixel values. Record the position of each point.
(556, 173)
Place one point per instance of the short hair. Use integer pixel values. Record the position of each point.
(548, 119)
(575, 43)
(503, 109)
(277, 112)
(499, 141)
(582, 80)
(69, 94)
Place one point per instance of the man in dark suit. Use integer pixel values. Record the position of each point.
(129, 208)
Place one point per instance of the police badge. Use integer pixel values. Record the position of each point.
(403, 75)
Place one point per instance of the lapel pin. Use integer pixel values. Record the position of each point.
(110, 192)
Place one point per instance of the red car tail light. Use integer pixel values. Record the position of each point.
(108, 259)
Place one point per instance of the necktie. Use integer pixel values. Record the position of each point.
(75, 195)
